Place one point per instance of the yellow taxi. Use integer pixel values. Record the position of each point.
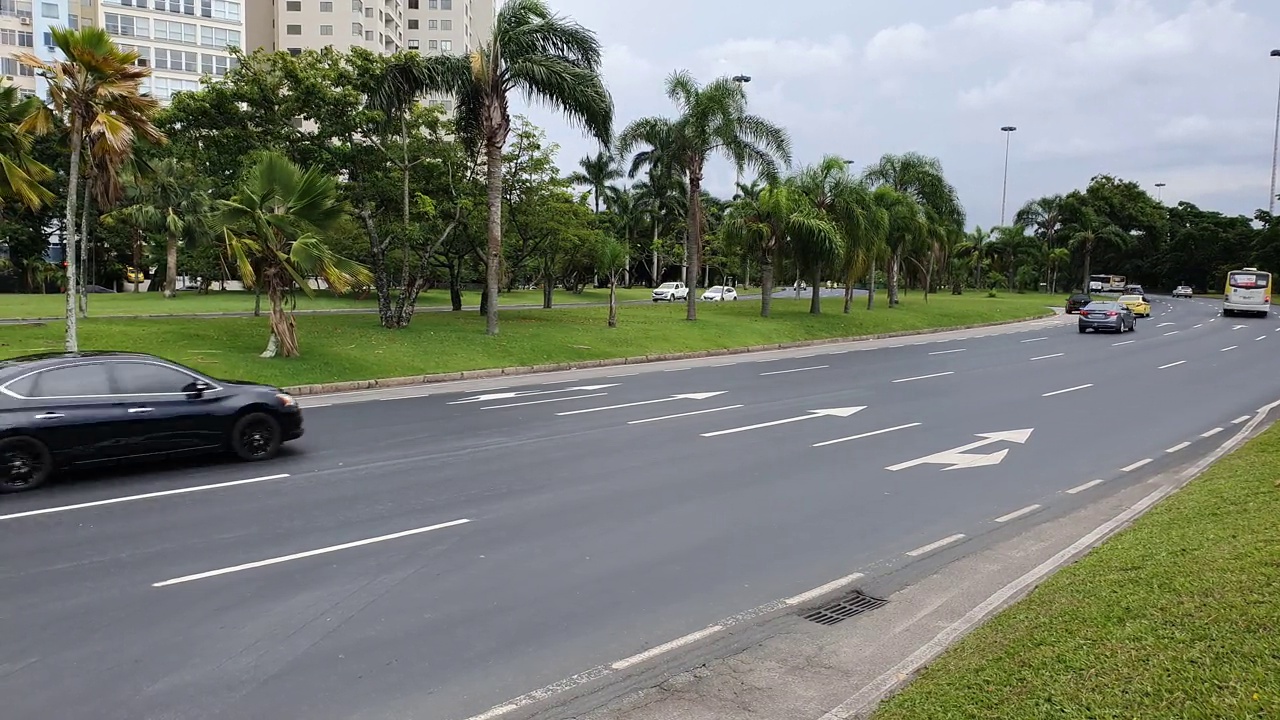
(133, 275)
(1135, 303)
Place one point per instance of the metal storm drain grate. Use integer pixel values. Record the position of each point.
(843, 608)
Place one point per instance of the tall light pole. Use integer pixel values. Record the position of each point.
(1160, 192)
(1008, 131)
(1275, 148)
(742, 81)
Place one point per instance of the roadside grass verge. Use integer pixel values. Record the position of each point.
(354, 347)
(15, 306)
(1176, 617)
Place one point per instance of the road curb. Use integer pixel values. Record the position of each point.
(394, 382)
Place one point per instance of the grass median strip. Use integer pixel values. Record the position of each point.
(353, 347)
(1175, 617)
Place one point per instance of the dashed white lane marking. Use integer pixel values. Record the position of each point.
(542, 402)
(947, 352)
(676, 369)
(622, 375)
(821, 590)
(311, 553)
(1017, 513)
(1240, 419)
(1193, 327)
(666, 647)
(1034, 339)
(684, 414)
(1179, 446)
(419, 396)
(1126, 342)
(935, 545)
(795, 370)
(144, 496)
(1173, 364)
(1135, 466)
(866, 434)
(559, 382)
(1173, 332)
(1225, 349)
(1212, 432)
(1163, 324)
(1263, 337)
(924, 377)
(1237, 327)
(313, 407)
(1086, 486)
(1070, 389)
(720, 365)
(1213, 319)
(1046, 357)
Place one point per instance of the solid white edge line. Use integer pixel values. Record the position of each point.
(935, 545)
(310, 553)
(821, 590)
(144, 496)
(924, 377)
(677, 369)
(1017, 513)
(1135, 466)
(1179, 446)
(1173, 364)
(1046, 357)
(795, 370)
(947, 352)
(622, 375)
(684, 414)
(866, 434)
(1085, 486)
(1212, 432)
(666, 647)
(312, 407)
(1070, 389)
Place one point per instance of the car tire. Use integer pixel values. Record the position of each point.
(36, 461)
(1082, 330)
(255, 436)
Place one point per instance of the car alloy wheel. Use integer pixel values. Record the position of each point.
(256, 436)
(25, 463)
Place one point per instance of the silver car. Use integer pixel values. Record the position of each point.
(1110, 316)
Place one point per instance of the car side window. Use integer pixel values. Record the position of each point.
(138, 378)
(69, 381)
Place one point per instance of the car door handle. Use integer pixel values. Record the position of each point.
(141, 410)
(49, 416)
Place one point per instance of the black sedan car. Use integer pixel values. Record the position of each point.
(1107, 316)
(1077, 302)
(70, 410)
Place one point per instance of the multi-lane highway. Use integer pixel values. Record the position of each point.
(436, 552)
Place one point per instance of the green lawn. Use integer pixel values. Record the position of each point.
(354, 347)
(187, 302)
(1177, 617)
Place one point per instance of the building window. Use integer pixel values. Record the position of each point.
(164, 88)
(433, 44)
(444, 4)
(179, 60)
(295, 51)
(293, 6)
(48, 39)
(49, 10)
(139, 3)
(413, 4)
(433, 24)
(446, 24)
(177, 7)
(16, 8)
(357, 29)
(356, 6)
(73, 22)
(292, 29)
(175, 31)
(220, 10)
(368, 35)
(326, 29)
(326, 7)
(144, 54)
(413, 44)
(219, 37)
(413, 23)
(446, 45)
(128, 26)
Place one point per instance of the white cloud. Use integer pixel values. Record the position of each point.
(909, 44)
(782, 58)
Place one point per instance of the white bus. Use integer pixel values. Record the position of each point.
(1248, 292)
(1106, 283)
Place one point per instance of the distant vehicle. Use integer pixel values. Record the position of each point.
(1107, 316)
(720, 293)
(65, 410)
(1076, 302)
(1183, 291)
(1106, 283)
(670, 292)
(133, 275)
(1248, 291)
(1134, 290)
(1137, 304)
(801, 286)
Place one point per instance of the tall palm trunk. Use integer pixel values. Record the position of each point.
(613, 299)
(84, 247)
(72, 340)
(653, 278)
(137, 264)
(171, 266)
(895, 261)
(1088, 253)
(493, 271)
(815, 289)
(871, 281)
(284, 331)
(693, 242)
(766, 283)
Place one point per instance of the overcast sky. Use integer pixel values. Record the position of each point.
(1150, 90)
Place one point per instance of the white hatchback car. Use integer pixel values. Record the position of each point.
(720, 293)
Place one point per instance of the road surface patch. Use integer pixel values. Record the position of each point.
(143, 496)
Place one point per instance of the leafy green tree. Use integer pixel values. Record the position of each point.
(275, 228)
(173, 205)
(97, 89)
(546, 57)
(711, 120)
(22, 176)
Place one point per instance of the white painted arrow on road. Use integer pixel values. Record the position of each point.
(828, 412)
(960, 457)
(685, 396)
(526, 393)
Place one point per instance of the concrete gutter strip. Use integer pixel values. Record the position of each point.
(357, 385)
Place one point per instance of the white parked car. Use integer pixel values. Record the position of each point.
(720, 293)
(670, 292)
(1182, 291)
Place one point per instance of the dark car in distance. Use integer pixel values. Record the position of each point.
(72, 410)
(1107, 316)
(1076, 302)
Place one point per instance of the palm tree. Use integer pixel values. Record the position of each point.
(921, 178)
(664, 198)
(274, 229)
(547, 58)
(173, 205)
(21, 174)
(906, 230)
(97, 91)
(1055, 259)
(628, 217)
(611, 259)
(713, 119)
(597, 172)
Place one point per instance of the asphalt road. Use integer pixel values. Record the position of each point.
(342, 590)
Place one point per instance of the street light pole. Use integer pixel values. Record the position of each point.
(1160, 192)
(742, 81)
(1275, 148)
(1008, 131)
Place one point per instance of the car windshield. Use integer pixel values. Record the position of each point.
(1101, 306)
(715, 289)
(667, 286)
(1078, 298)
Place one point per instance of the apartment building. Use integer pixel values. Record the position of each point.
(429, 26)
(180, 40)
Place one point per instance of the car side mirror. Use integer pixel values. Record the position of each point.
(197, 389)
